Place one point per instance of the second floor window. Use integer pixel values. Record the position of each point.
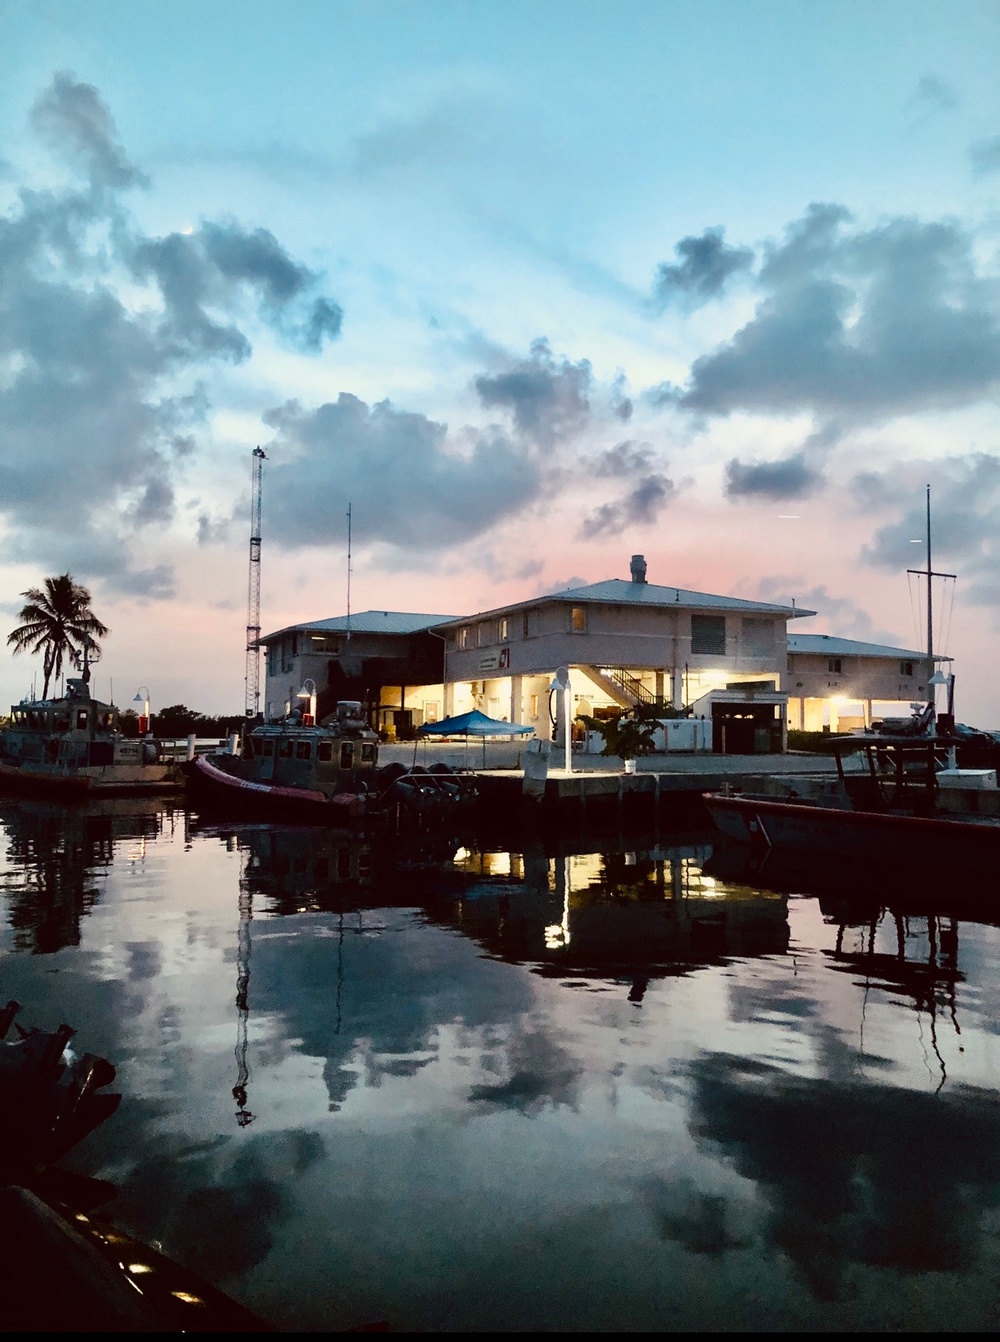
(463, 638)
(835, 666)
(578, 619)
(502, 629)
(906, 668)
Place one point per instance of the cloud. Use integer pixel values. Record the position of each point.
(839, 614)
(985, 155)
(101, 393)
(706, 264)
(71, 117)
(409, 481)
(859, 324)
(548, 398)
(965, 507)
(639, 507)
(933, 95)
(790, 478)
(625, 458)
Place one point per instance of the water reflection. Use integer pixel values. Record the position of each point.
(584, 1083)
(56, 856)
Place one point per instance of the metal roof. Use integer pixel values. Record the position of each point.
(622, 591)
(365, 622)
(828, 645)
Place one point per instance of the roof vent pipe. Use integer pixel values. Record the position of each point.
(638, 568)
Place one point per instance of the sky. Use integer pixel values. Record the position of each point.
(531, 286)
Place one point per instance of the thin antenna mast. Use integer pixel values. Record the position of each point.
(929, 573)
(348, 573)
(252, 700)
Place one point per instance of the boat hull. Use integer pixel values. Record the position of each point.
(213, 784)
(101, 780)
(867, 835)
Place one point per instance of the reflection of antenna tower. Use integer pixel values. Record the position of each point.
(243, 1115)
(253, 594)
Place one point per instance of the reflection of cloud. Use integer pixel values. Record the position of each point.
(699, 1222)
(855, 1174)
(542, 1075)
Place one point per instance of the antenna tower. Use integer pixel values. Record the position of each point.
(258, 458)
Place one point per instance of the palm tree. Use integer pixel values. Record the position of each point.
(57, 622)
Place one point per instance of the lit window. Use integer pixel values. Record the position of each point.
(463, 638)
(502, 629)
(578, 619)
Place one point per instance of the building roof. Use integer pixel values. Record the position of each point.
(365, 622)
(624, 592)
(828, 645)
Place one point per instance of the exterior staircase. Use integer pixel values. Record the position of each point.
(624, 688)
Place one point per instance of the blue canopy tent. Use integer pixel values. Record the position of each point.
(472, 724)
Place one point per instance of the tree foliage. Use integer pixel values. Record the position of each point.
(57, 621)
(629, 735)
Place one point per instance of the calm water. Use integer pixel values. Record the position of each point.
(622, 1089)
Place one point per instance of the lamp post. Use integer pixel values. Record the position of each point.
(308, 691)
(142, 697)
(561, 682)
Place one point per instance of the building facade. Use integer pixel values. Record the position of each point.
(838, 684)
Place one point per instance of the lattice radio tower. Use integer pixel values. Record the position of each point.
(258, 458)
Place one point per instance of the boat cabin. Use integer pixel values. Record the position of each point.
(297, 753)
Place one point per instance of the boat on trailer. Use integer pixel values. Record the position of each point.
(72, 746)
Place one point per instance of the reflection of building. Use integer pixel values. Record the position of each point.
(618, 914)
(389, 660)
(840, 683)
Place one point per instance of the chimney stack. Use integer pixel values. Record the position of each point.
(638, 568)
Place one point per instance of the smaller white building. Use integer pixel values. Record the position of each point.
(843, 683)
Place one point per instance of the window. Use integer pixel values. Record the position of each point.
(258, 745)
(81, 719)
(463, 638)
(502, 629)
(268, 749)
(303, 750)
(285, 750)
(525, 624)
(347, 754)
(367, 752)
(295, 645)
(835, 666)
(324, 751)
(906, 668)
(708, 634)
(578, 620)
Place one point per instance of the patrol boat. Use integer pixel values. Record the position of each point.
(73, 746)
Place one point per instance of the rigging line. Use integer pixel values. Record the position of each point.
(947, 601)
(914, 617)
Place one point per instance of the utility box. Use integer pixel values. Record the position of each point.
(682, 734)
(976, 780)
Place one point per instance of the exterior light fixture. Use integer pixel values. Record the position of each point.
(142, 697)
(308, 691)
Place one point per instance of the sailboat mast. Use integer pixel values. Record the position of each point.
(930, 606)
(348, 573)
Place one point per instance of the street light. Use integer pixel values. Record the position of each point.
(142, 697)
(308, 691)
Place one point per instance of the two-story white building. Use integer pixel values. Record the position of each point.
(626, 641)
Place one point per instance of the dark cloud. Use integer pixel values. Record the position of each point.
(622, 405)
(790, 478)
(72, 118)
(985, 155)
(639, 507)
(625, 458)
(101, 395)
(840, 614)
(859, 324)
(548, 398)
(705, 265)
(409, 482)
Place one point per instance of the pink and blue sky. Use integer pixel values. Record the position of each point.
(533, 286)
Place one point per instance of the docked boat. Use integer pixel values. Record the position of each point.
(72, 746)
(327, 773)
(905, 805)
